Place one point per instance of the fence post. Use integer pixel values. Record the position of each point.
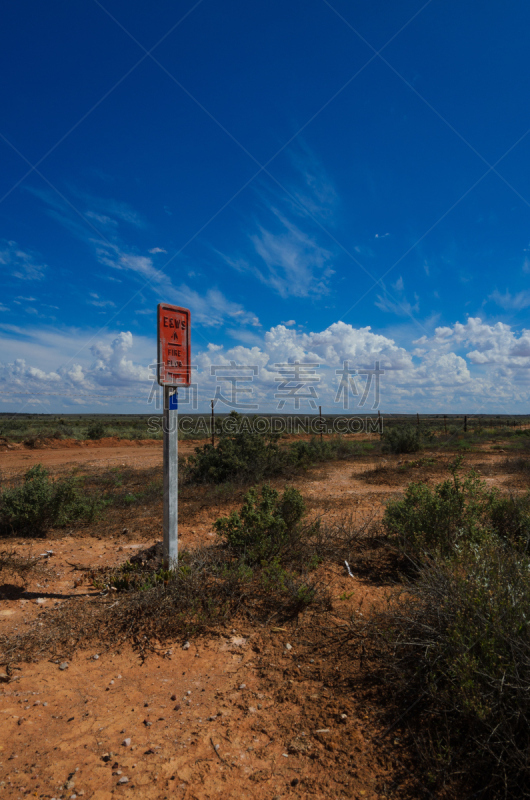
(379, 421)
(418, 416)
(320, 415)
(465, 424)
(213, 428)
(445, 424)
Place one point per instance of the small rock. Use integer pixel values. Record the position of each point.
(188, 692)
(186, 646)
(177, 707)
(243, 686)
(127, 742)
(123, 780)
(288, 646)
(173, 697)
(295, 782)
(95, 657)
(147, 723)
(69, 785)
(63, 665)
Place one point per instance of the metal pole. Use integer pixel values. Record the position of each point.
(320, 415)
(171, 460)
(213, 428)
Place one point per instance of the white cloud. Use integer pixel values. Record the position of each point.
(155, 250)
(396, 302)
(290, 261)
(99, 303)
(19, 263)
(68, 363)
(211, 308)
(314, 188)
(511, 302)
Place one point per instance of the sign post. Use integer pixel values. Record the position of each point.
(174, 370)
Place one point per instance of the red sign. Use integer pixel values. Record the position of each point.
(174, 351)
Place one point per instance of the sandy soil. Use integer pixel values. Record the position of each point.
(250, 713)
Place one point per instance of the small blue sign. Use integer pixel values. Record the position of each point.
(173, 402)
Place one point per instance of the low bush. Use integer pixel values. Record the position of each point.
(41, 503)
(455, 513)
(456, 647)
(96, 431)
(247, 457)
(402, 439)
(457, 650)
(267, 525)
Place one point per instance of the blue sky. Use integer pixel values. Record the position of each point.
(322, 182)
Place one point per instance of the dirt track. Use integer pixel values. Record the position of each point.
(105, 452)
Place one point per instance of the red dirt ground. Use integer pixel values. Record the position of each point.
(237, 715)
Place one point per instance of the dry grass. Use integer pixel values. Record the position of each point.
(142, 605)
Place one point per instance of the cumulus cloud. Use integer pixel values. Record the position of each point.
(471, 366)
(108, 366)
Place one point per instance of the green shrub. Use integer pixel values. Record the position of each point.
(266, 525)
(402, 439)
(247, 457)
(460, 643)
(41, 503)
(303, 453)
(459, 511)
(96, 431)
(244, 457)
(436, 520)
(275, 579)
